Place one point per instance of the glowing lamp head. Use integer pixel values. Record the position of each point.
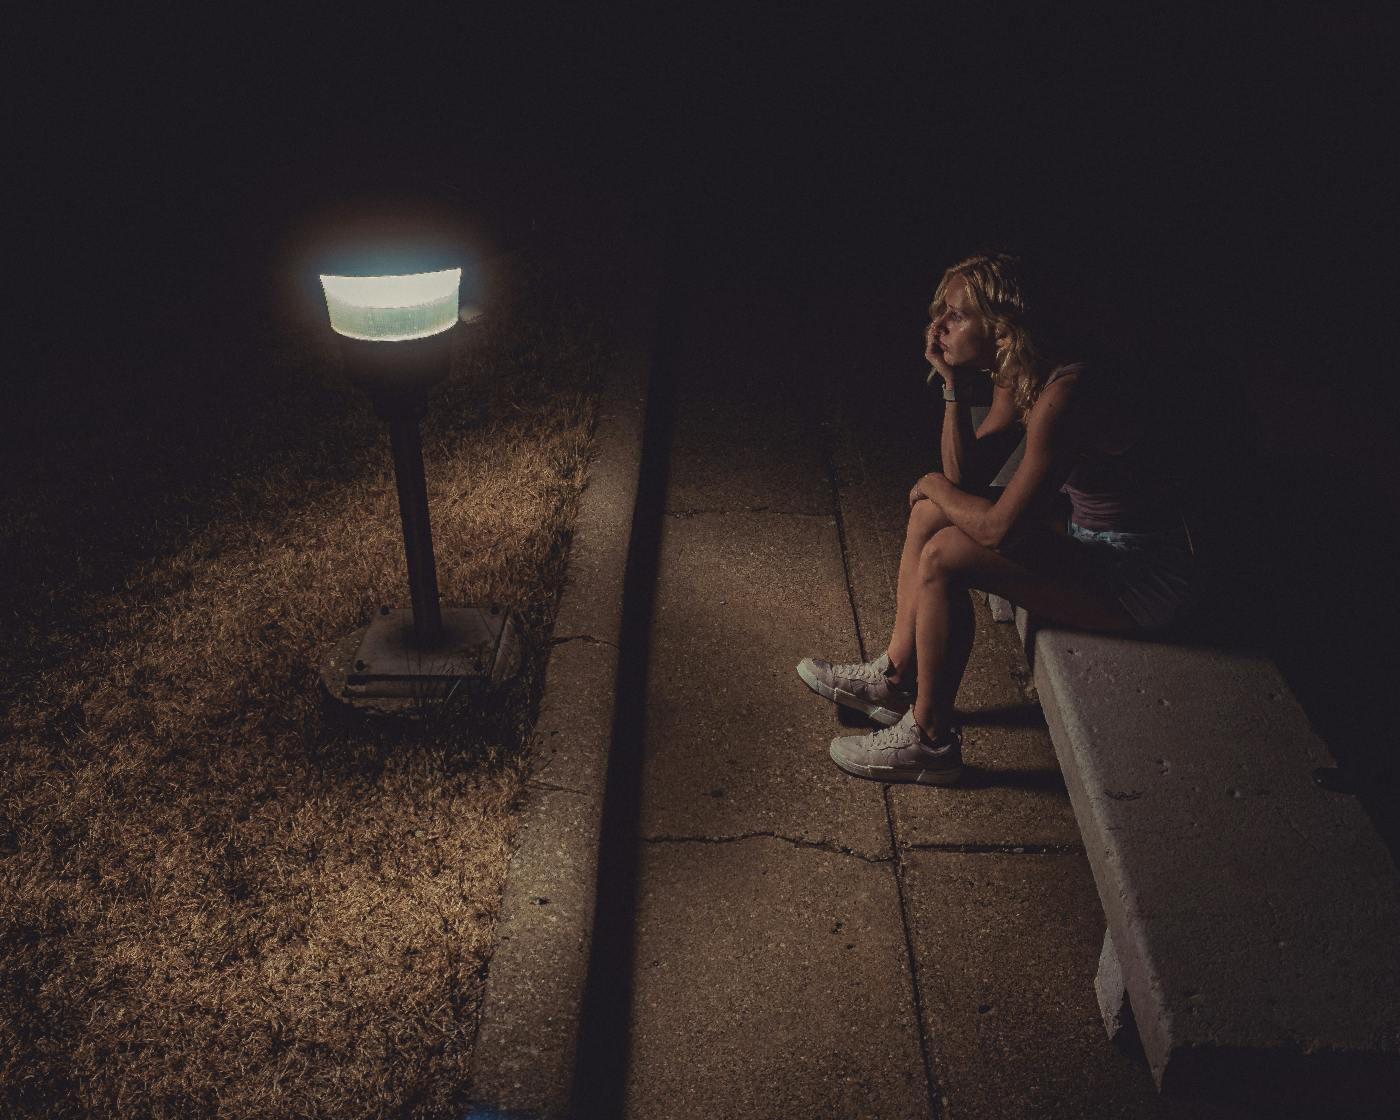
(393, 308)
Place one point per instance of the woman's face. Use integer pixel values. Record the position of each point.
(959, 335)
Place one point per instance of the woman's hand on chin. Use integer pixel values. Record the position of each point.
(934, 356)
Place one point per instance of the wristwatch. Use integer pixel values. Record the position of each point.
(949, 393)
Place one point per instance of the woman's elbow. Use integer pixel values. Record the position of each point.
(989, 533)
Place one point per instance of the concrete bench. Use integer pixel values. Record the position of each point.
(1253, 914)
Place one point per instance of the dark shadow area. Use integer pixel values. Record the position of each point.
(1294, 1084)
(1027, 715)
(849, 717)
(1324, 596)
(605, 1018)
(1041, 781)
(1276, 1090)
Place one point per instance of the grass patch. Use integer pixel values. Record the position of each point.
(216, 895)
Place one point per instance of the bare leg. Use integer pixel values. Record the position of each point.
(945, 625)
(925, 519)
(951, 563)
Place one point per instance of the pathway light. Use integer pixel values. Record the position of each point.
(396, 332)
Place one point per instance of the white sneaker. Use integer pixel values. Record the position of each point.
(901, 753)
(861, 685)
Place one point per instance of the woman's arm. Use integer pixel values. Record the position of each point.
(969, 459)
(1050, 442)
(955, 439)
(972, 460)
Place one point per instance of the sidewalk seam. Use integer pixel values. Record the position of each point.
(935, 1095)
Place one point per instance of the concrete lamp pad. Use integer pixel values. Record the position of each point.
(381, 667)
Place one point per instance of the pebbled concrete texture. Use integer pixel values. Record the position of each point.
(747, 436)
(736, 742)
(524, 1055)
(771, 980)
(1264, 955)
(1006, 964)
(768, 461)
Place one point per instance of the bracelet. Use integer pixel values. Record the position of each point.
(949, 394)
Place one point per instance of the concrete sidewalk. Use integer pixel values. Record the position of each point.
(782, 940)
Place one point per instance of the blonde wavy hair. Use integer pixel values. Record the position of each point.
(995, 282)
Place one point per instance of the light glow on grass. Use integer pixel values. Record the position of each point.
(393, 308)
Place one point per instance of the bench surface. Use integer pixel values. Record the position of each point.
(1254, 913)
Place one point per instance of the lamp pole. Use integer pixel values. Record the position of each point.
(407, 447)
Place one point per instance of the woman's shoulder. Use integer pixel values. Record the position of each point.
(1071, 370)
(1070, 395)
(1068, 380)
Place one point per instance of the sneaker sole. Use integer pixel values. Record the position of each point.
(890, 774)
(881, 715)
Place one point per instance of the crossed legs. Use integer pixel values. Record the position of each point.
(925, 519)
(934, 624)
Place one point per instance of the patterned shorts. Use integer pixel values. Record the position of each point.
(1151, 574)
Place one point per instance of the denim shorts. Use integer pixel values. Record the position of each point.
(1151, 574)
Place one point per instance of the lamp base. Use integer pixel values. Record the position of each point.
(381, 668)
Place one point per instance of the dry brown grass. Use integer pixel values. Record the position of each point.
(216, 897)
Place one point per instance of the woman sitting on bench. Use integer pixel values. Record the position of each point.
(1125, 564)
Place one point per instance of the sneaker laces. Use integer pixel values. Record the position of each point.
(900, 690)
(895, 738)
(951, 737)
(858, 670)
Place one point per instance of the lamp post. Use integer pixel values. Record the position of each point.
(396, 336)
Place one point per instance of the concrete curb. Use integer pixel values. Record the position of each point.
(527, 1038)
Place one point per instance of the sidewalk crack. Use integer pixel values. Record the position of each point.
(796, 841)
(1069, 849)
(584, 638)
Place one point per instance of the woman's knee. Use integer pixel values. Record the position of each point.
(945, 555)
(925, 519)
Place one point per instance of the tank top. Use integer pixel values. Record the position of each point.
(1125, 490)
